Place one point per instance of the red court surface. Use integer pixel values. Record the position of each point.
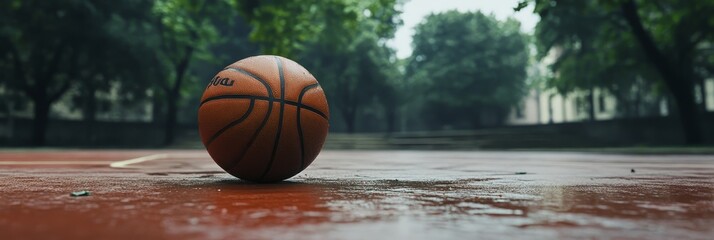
(167, 194)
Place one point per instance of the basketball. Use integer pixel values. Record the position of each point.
(263, 118)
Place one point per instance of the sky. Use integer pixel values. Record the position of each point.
(414, 11)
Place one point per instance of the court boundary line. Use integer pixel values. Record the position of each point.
(112, 164)
(74, 162)
(126, 163)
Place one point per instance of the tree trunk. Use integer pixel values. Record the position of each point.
(173, 95)
(678, 79)
(591, 104)
(550, 109)
(89, 113)
(688, 117)
(157, 112)
(702, 93)
(170, 124)
(391, 117)
(538, 110)
(564, 107)
(350, 105)
(10, 119)
(41, 118)
(349, 114)
(476, 116)
(638, 100)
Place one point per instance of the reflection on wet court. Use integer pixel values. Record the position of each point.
(361, 194)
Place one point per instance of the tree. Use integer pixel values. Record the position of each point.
(469, 68)
(342, 42)
(114, 62)
(233, 44)
(97, 46)
(45, 68)
(185, 30)
(660, 37)
(361, 75)
(581, 53)
(285, 27)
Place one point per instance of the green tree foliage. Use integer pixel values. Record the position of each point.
(233, 44)
(185, 29)
(468, 69)
(583, 53)
(661, 41)
(342, 42)
(285, 27)
(359, 80)
(50, 50)
(113, 62)
(159, 49)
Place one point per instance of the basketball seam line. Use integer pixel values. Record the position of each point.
(270, 100)
(280, 118)
(252, 138)
(299, 125)
(288, 102)
(236, 122)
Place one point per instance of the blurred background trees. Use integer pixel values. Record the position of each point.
(632, 48)
(66, 45)
(468, 69)
(146, 62)
(343, 44)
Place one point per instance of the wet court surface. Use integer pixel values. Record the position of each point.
(166, 194)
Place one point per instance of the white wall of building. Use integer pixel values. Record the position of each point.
(527, 112)
(542, 107)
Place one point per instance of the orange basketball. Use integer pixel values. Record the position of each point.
(263, 118)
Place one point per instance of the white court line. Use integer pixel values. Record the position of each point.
(54, 162)
(126, 163)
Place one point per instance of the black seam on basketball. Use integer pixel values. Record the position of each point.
(230, 125)
(288, 102)
(299, 126)
(250, 74)
(280, 118)
(252, 138)
(270, 100)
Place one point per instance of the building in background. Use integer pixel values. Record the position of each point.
(548, 106)
(544, 105)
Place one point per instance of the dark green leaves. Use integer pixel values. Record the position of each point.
(286, 27)
(467, 65)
